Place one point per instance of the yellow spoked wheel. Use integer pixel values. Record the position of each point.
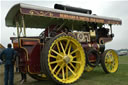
(88, 68)
(38, 77)
(109, 61)
(64, 59)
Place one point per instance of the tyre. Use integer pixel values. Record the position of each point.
(109, 61)
(63, 59)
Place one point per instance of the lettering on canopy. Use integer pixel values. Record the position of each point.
(66, 16)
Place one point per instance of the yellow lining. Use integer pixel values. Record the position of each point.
(27, 51)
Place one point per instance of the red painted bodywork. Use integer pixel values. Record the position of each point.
(29, 50)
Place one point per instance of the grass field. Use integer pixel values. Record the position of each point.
(96, 77)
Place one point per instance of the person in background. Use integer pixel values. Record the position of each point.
(1, 62)
(18, 69)
(9, 65)
(23, 78)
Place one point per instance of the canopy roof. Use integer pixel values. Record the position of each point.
(40, 17)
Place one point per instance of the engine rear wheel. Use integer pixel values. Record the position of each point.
(109, 61)
(63, 59)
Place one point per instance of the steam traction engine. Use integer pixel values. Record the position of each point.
(73, 40)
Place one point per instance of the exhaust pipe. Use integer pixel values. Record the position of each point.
(73, 9)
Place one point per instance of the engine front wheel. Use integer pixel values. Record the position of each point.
(109, 61)
(63, 59)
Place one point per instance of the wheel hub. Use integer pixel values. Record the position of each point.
(67, 59)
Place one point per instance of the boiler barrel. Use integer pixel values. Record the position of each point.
(74, 9)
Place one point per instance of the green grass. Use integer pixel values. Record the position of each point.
(96, 77)
(99, 77)
(123, 59)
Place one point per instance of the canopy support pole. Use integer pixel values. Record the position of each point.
(24, 26)
(17, 25)
(18, 34)
(111, 28)
(72, 27)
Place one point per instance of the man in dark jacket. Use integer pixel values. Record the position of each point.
(9, 65)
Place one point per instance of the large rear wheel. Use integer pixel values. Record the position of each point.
(109, 61)
(63, 59)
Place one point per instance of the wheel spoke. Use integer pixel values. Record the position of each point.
(63, 74)
(55, 68)
(113, 65)
(107, 65)
(112, 58)
(71, 71)
(108, 55)
(62, 48)
(66, 72)
(74, 56)
(56, 53)
(67, 45)
(76, 62)
(52, 56)
(73, 66)
(74, 51)
(69, 49)
(59, 69)
(57, 61)
(108, 60)
(57, 43)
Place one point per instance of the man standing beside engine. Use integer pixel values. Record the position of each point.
(9, 64)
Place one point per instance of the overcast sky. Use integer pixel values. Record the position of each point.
(110, 8)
